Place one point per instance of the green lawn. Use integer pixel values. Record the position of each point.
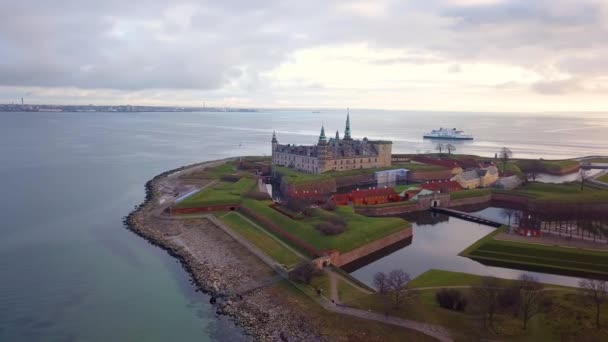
(546, 258)
(435, 278)
(567, 307)
(291, 176)
(566, 192)
(221, 193)
(400, 188)
(360, 229)
(418, 167)
(260, 239)
(548, 166)
(603, 178)
(338, 327)
(469, 193)
(599, 160)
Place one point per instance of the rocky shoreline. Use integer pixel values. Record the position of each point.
(217, 265)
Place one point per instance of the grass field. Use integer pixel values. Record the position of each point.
(360, 229)
(603, 178)
(469, 193)
(567, 308)
(338, 327)
(434, 278)
(552, 259)
(260, 239)
(599, 160)
(221, 193)
(558, 166)
(566, 192)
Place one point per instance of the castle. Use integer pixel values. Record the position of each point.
(333, 154)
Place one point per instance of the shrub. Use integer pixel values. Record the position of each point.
(329, 205)
(328, 228)
(296, 205)
(451, 299)
(336, 220)
(304, 273)
(230, 178)
(257, 195)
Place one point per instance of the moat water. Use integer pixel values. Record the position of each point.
(71, 272)
(436, 242)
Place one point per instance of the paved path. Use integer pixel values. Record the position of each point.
(333, 286)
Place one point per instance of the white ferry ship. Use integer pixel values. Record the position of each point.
(446, 133)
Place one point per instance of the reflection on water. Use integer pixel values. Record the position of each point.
(436, 244)
(572, 177)
(377, 255)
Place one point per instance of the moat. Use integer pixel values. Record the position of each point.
(436, 242)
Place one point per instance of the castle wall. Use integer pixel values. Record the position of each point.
(419, 176)
(339, 259)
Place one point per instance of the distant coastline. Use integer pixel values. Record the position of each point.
(6, 107)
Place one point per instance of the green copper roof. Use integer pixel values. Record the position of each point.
(322, 138)
(347, 130)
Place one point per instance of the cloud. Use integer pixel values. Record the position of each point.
(229, 47)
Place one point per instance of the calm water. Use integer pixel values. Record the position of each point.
(437, 244)
(69, 269)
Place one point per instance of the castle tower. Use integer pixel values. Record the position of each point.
(274, 140)
(347, 130)
(337, 135)
(322, 138)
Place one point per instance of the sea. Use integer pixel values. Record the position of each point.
(70, 271)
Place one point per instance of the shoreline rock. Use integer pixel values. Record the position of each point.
(256, 313)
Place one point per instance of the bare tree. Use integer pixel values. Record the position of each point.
(397, 285)
(531, 295)
(597, 291)
(451, 148)
(531, 168)
(584, 176)
(304, 273)
(505, 154)
(439, 148)
(486, 297)
(508, 213)
(381, 282)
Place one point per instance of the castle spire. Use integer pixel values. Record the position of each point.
(322, 138)
(337, 135)
(274, 137)
(347, 130)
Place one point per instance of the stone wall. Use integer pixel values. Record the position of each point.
(204, 209)
(325, 186)
(357, 253)
(424, 203)
(470, 201)
(420, 176)
(396, 209)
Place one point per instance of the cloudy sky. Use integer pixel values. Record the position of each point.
(483, 55)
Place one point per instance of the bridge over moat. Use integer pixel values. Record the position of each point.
(466, 216)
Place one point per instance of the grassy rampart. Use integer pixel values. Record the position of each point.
(221, 193)
(262, 240)
(533, 256)
(360, 229)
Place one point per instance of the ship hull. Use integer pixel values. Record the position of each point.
(447, 138)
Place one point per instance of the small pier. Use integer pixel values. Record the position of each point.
(467, 216)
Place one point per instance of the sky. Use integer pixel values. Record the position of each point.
(461, 55)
